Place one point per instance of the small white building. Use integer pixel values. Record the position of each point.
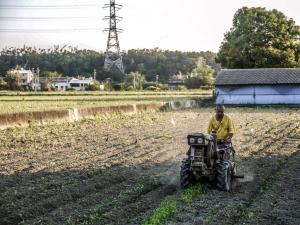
(77, 84)
(26, 76)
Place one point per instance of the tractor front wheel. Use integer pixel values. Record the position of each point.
(186, 177)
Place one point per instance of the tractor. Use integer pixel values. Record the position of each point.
(208, 159)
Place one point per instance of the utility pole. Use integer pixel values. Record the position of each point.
(38, 78)
(113, 57)
(34, 81)
(95, 75)
(38, 75)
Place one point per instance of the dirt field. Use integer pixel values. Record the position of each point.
(117, 169)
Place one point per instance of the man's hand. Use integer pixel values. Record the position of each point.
(230, 135)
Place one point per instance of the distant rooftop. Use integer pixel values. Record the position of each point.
(258, 76)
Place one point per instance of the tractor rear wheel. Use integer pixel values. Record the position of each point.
(223, 177)
(186, 177)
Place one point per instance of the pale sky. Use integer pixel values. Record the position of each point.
(187, 25)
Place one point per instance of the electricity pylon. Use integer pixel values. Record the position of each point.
(113, 57)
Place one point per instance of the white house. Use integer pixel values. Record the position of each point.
(258, 86)
(26, 76)
(70, 82)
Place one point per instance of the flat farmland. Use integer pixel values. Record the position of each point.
(117, 169)
(30, 101)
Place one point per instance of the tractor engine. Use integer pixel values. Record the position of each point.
(208, 159)
(201, 155)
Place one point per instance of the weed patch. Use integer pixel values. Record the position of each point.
(168, 207)
(193, 192)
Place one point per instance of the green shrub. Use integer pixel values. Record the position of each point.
(116, 87)
(152, 88)
(163, 87)
(181, 88)
(130, 88)
(93, 87)
(3, 84)
(125, 86)
(148, 84)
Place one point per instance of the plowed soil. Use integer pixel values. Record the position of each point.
(116, 169)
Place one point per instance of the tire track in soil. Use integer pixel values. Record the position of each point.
(88, 187)
(232, 207)
(135, 202)
(140, 218)
(237, 216)
(87, 193)
(279, 204)
(63, 201)
(118, 215)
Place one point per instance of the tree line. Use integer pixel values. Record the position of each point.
(71, 61)
(258, 38)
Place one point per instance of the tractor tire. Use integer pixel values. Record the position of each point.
(210, 154)
(234, 170)
(186, 177)
(223, 177)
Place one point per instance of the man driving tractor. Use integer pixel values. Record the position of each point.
(222, 125)
(211, 156)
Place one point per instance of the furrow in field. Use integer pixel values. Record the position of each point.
(231, 206)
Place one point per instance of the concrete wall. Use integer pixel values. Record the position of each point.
(25, 118)
(43, 117)
(254, 94)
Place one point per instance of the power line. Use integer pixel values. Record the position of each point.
(46, 18)
(48, 30)
(46, 6)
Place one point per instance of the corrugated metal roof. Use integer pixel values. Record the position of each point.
(258, 76)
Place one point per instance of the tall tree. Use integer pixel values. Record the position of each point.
(202, 75)
(137, 80)
(260, 39)
(50, 74)
(13, 81)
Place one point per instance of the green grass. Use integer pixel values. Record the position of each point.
(191, 193)
(11, 102)
(168, 207)
(105, 93)
(94, 98)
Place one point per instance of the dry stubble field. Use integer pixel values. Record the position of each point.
(116, 169)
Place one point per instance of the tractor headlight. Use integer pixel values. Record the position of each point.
(199, 141)
(192, 140)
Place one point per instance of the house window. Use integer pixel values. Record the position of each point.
(75, 85)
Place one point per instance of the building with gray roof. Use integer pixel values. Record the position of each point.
(258, 86)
